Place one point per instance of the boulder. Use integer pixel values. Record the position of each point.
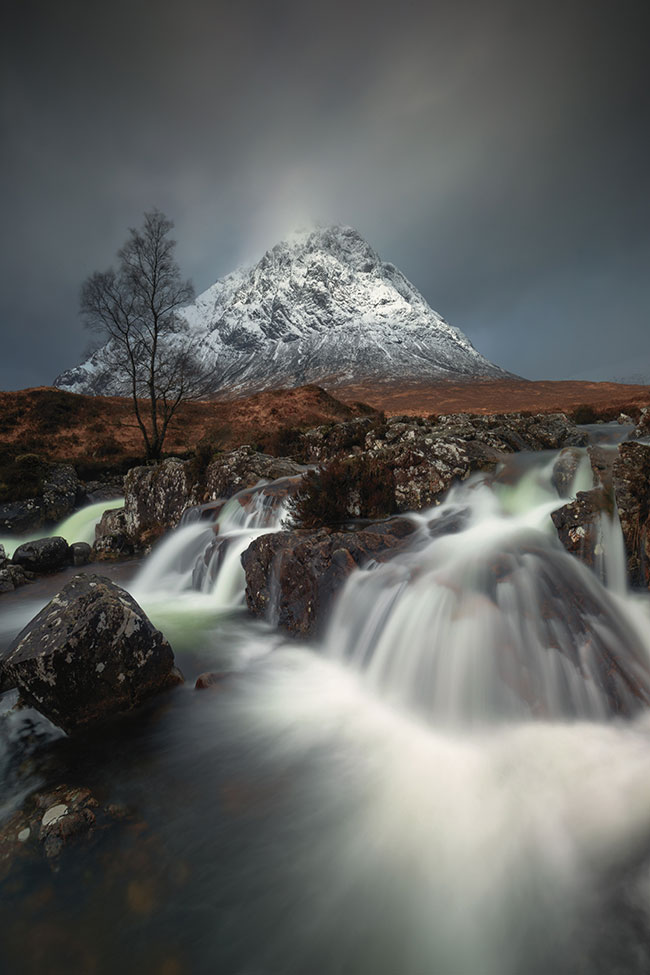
(80, 553)
(243, 468)
(155, 498)
(89, 654)
(62, 492)
(111, 538)
(43, 555)
(577, 524)
(293, 576)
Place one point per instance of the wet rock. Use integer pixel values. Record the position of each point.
(43, 555)
(577, 524)
(631, 483)
(565, 469)
(211, 680)
(80, 553)
(111, 538)
(50, 823)
(12, 576)
(293, 576)
(89, 654)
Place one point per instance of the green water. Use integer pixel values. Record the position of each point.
(79, 527)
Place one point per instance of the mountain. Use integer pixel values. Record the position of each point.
(319, 307)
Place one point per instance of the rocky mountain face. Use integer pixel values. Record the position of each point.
(320, 307)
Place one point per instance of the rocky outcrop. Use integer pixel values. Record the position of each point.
(43, 555)
(111, 537)
(155, 498)
(293, 576)
(642, 429)
(12, 576)
(577, 524)
(61, 493)
(631, 483)
(622, 477)
(20, 517)
(244, 468)
(89, 654)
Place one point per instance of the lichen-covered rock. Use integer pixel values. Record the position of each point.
(243, 468)
(12, 576)
(155, 498)
(293, 576)
(43, 555)
(642, 429)
(89, 654)
(422, 476)
(577, 524)
(62, 491)
(111, 538)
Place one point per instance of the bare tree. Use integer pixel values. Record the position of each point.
(136, 309)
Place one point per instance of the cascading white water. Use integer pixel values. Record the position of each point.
(204, 555)
(487, 617)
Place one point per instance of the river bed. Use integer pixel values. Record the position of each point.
(379, 803)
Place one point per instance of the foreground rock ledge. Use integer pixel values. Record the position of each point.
(90, 653)
(292, 577)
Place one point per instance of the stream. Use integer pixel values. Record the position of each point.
(436, 788)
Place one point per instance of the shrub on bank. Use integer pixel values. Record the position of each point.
(344, 488)
(21, 476)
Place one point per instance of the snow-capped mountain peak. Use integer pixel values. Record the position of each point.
(319, 307)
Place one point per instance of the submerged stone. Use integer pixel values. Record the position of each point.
(90, 653)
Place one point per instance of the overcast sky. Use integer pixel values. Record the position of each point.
(497, 151)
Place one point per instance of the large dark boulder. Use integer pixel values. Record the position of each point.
(43, 555)
(89, 654)
(292, 577)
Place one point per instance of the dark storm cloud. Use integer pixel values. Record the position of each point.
(498, 153)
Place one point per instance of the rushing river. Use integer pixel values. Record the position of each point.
(438, 788)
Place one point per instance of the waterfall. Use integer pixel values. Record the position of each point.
(486, 617)
(78, 527)
(203, 555)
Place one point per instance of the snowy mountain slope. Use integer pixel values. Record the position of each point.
(318, 307)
